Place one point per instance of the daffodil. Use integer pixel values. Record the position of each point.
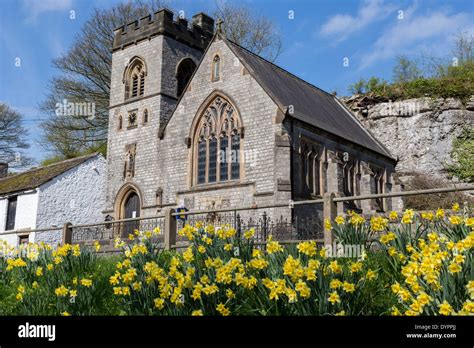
(445, 308)
(61, 291)
(334, 298)
(455, 220)
(86, 282)
(159, 303)
(39, 271)
(222, 309)
(249, 234)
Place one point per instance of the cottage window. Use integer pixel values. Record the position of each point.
(217, 144)
(23, 239)
(11, 213)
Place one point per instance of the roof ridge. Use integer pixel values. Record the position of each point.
(280, 68)
(29, 171)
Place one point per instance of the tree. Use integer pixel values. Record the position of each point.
(84, 72)
(405, 70)
(358, 87)
(255, 32)
(12, 138)
(463, 47)
(85, 77)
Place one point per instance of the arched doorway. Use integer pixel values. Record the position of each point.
(131, 209)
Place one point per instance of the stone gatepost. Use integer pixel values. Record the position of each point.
(335, 179)
(367, 187)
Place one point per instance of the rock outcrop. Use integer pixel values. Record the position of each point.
(419, 132)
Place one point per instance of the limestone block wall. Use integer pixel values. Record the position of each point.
(76, 196)
(161, 55)
(418, 131)
(256, 110)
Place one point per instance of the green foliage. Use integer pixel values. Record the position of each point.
(450, 79)
(463, 154)
(358, 87)
(422, 264)
(405, 70)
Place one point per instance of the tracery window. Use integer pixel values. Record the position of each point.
(217, 144)
(134, 78)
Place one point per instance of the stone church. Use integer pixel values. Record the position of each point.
(199, 121)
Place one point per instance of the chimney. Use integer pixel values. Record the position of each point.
(205, 22)
(3, 170)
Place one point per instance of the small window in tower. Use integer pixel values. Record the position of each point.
(145, 116)
(120, 122)
(216, 68)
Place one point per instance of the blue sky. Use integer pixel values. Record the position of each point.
(318, 39)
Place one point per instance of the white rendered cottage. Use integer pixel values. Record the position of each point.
(71, 191)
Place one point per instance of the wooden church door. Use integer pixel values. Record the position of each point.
(132, 210)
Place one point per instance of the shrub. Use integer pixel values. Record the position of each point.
(419, 181)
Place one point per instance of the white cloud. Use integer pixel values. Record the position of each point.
(341, 26)
(35, 8)
(407, 36)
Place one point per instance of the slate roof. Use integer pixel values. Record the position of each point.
(311, 104)
(36, 177)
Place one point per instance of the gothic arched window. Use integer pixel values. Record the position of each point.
(217, 144)
(216, 68)
(349, 179)
(311, 170)
(134, 78)
(120, 122)
(184, 72)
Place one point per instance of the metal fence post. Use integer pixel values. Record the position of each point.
(67, 233)
(264, 225)
(329, 212)
(170, 229)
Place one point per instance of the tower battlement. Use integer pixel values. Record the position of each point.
(162, 23)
